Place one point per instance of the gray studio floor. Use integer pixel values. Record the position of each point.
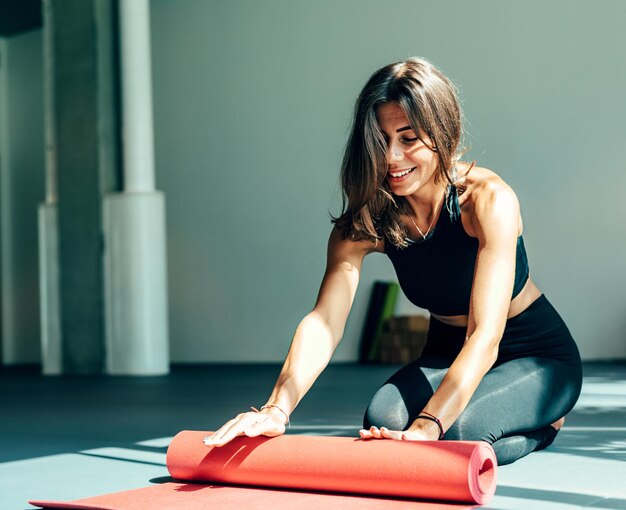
(68, 438)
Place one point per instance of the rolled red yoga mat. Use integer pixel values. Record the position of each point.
(443, 470)
(451, 471)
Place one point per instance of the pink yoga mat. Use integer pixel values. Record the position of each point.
(372, 474)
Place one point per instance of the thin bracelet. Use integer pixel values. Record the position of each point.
(268, 406)
(434, 419)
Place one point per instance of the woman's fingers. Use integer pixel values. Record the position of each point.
(365, 434)
(229, 431)
(371, 433)
(226, 436)
(217, 435)
(375, 431)
(390, 434)
(251, 424)
(380, 433)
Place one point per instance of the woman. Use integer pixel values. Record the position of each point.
(499, 365)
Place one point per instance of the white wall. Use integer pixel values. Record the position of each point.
(253, 103)
(21, 189)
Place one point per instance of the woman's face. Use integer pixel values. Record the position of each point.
(411, 164)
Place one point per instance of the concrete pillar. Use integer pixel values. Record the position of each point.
(102, 233)
(49, 297)
(82, 165)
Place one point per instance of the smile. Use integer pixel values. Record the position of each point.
(399, 175)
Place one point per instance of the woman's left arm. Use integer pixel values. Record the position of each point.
(495, 220)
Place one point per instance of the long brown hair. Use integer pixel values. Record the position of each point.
(429, 100)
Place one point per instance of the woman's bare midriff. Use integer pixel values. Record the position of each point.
(529, 293)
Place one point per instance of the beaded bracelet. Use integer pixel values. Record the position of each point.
(268, 406)
(427, 416)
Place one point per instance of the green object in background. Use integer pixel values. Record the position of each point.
(376, 305)
(387, 311)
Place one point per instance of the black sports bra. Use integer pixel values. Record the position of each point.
(436, 273)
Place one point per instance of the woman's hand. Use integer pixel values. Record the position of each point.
(411, 434)
(269, 423)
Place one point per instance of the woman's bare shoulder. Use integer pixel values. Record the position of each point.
(480, 182)
(487, 194)
(469, 174)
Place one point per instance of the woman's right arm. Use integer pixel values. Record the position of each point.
(313, 344)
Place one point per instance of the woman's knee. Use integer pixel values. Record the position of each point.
(471, 428)
(386, 409)
(404, 395)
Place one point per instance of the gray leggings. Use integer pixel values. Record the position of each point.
(515, 402)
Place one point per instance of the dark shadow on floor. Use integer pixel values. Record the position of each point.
(43, 416)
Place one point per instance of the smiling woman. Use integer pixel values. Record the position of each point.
(453, 231)
(408, 112)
